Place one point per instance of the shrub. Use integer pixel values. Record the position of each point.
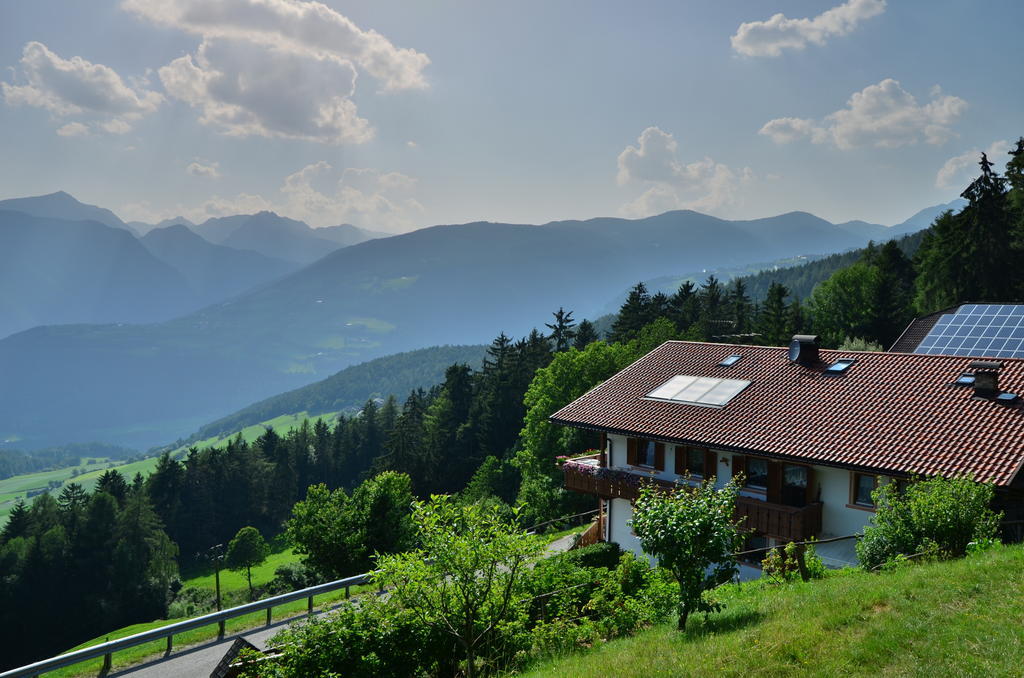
(938, 517)
(783, 566)
(371, 640)
(603, 554)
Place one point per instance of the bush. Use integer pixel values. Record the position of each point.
(371, 640)
(938, 517)
(292, 577)
(603, 554)
(784, 566)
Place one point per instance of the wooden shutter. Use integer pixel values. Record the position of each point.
(812, 492)
(680, 460)
(739, 465)
(659, 456)
(710, 464)
(774, 482)
(631, 446)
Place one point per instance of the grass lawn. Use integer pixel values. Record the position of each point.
(236, 581)
(960, 618)
(15, 487)
(250, 433)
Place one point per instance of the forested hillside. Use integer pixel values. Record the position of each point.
(351, 387)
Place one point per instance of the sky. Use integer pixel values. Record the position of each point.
(394, 115)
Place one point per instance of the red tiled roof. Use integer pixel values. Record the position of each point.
(895, 412)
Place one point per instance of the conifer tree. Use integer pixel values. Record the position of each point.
(773, 323)
(633, 315)
(585, 335)
(562, 332)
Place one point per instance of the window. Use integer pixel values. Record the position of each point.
(757, 473)
(863, 486)
(645, 456)
(840, 366)
(730, 360)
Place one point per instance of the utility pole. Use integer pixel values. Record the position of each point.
(215, 554)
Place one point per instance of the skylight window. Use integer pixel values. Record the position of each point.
(840, 366)
(965, 379)
(730, 361)
(704, 391)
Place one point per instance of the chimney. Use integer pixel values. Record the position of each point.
(986, 378)
(803, 349)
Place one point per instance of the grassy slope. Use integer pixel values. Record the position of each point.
(963, 618)
(18, 486)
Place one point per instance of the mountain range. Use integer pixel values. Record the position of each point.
(146, 384)
(69, 262)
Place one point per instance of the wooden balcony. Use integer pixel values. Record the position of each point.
(789, 523)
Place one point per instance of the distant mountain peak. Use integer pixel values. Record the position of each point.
(62, 205)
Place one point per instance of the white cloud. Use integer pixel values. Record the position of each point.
(73, 129)
(959, 170)
(77, 88)
(203, 169)
(883, 115)
(704, 185)
(771, 37)
(364, 197)
(291, 25)
(245, 89)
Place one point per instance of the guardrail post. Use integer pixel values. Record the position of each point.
(108, 663)
(348, 594)
(310, 607)
(220, 629)
(170, 645)
(268, 615)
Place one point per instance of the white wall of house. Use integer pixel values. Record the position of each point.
(838, 517)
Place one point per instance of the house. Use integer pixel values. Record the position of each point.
(812, 431)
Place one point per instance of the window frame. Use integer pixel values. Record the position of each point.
(855, 477)
(746, 473)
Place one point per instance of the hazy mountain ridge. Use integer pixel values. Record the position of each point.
(58, 271)
(213, 272)
(439, 285)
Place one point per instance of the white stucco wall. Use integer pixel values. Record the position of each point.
(838, 518)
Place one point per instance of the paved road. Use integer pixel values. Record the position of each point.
(198, 661)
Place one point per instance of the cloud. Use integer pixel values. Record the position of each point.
(316, 194)
(291, 25)
(244, 89)
(959, 170)
(278, 68)
(704, 185)
(203, 169)
(364, 197)
(76, 88)
(73, 129)
(883, 115)
(771, 37)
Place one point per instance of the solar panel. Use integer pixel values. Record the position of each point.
(705, 391)
(978, 330)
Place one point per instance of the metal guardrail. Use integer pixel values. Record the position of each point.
(106, 650)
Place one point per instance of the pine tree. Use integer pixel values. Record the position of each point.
(740, 307)
(562, 332)
(633, 315)
(773, 322)
(114, 484)
(684, 307)
(585, 335)
(18, 523)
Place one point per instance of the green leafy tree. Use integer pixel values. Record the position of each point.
(464, 580)
(247, 550)
(842, 305)
(692, 534)
(318, 531)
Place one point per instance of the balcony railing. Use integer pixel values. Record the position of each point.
(790, 523)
